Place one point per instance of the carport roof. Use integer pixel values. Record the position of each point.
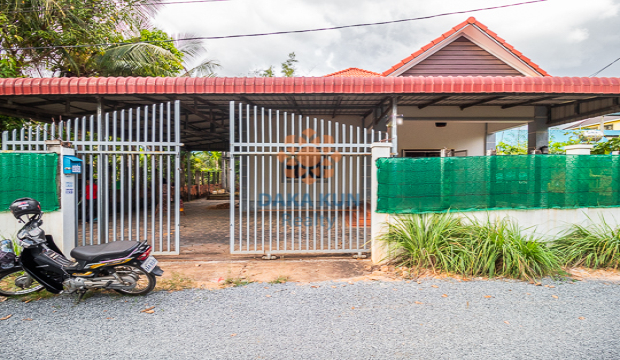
(204, 101)
(308, 85)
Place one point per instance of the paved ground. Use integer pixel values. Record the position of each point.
(205, 233)
(436, 319)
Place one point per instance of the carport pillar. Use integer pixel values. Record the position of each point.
(394, 125)
(379, 249)
(538, 130)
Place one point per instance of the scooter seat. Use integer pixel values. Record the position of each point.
(108, 251)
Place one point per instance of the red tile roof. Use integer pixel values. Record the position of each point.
(471, 21)
(354, 72)
(312, 85)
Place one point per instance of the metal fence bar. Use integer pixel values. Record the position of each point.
(177, 194)
(130, 180)
(123, 180)
(167, 198)
(114, 231)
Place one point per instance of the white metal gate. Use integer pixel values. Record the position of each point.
(303, 184)
(131, 163)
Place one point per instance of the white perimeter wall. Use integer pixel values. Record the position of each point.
(544, 224)
(52, 225)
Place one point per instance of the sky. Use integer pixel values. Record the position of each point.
(564, 37)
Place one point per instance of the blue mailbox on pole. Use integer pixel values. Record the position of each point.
(71, 165)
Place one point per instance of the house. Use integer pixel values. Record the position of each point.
(608, 122)
(454, 93)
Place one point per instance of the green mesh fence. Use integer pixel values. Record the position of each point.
(419, 185)
(28, 175)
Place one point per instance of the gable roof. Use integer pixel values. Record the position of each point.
(442, 41)
(353, 72)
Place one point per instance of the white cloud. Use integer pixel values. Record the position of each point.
(578, 35)
(565, 37)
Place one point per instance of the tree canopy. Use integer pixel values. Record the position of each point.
(90, 38)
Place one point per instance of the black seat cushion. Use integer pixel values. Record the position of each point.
(109, 251)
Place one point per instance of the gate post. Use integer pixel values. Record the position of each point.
(68, 193)
(379, 251)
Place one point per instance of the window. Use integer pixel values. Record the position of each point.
(421, 153)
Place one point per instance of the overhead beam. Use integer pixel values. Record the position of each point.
(187, 108)
(433, 102)
(337, 103)
(480, 102)
(529, 102)
(248, 101)
(295, 105)
(584, 115)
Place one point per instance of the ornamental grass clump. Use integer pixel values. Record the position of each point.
(594, 246)
(502, 249)
(444, 242)
(429, 241)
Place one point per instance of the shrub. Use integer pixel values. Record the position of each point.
(435, 241)
(443, 242)
(595, 246)
(502, 249)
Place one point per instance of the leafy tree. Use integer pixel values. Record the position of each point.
(557, 147)
(515, 143)
(605, 148)
(503, 148)
(29, 28)
(287, 68)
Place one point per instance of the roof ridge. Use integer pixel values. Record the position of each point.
(338, 73)
(470, 21)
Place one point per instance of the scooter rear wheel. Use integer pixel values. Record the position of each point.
(16, 281)
(145, 284)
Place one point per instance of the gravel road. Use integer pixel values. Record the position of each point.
(437, 319)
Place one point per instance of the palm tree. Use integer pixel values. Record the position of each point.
(155, 53)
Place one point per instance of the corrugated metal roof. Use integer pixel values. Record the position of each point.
(309, 85)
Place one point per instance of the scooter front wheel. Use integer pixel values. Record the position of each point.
(16, 281)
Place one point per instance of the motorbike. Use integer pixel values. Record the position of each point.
(126, 267)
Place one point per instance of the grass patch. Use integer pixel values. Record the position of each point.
(594, 246)
(176, 283)
(234, 282)
(279, 280)
(444, 242)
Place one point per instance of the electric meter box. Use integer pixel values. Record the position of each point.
(71, 165)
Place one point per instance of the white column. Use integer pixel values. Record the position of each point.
(377, 221)
(65, 239)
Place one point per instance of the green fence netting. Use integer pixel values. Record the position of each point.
(420, 185)
(28, 175)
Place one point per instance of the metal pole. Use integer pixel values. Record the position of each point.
(231, 169)
(177, 192)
